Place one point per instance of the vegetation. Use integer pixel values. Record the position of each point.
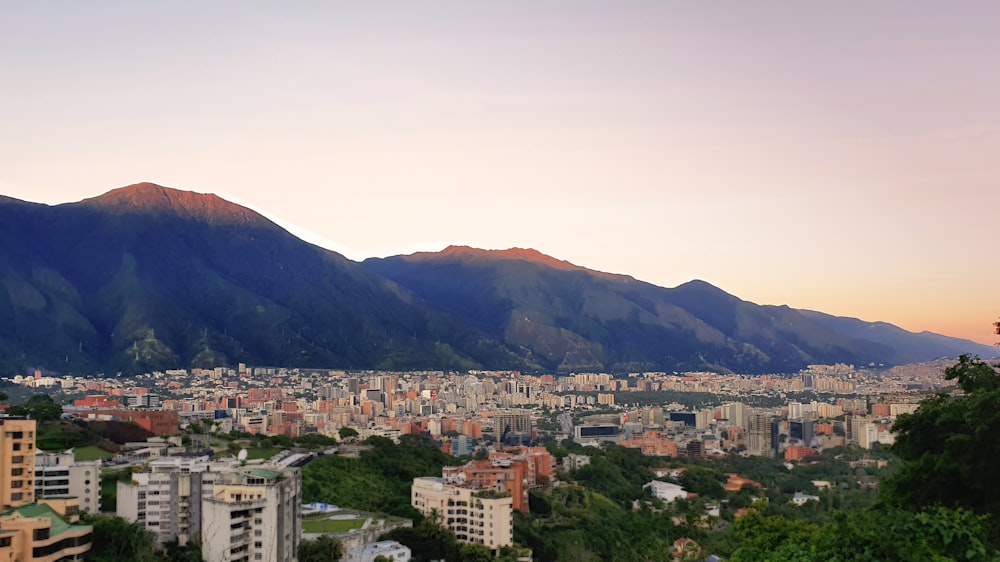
(935, 503)
(950, 445)
(91, 453)
(321, 549)
(314, 441)
(327, 525)
(40, 407)
(939, 504)
(379, 480)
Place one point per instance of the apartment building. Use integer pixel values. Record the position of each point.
(165, 497)
(236, 513)
(475, 515)
(253, 516)
(60, 474)
(17, 459)
(45, 531)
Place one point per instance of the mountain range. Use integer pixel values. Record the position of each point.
(147, 277)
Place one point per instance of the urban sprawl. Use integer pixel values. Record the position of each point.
(234, 506)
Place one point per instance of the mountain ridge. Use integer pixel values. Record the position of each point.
(149, 277)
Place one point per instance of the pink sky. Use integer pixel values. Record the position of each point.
(839, 157)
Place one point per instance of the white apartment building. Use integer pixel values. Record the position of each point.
(390, 550)
(165, 497)
(253, 516)
(237, 513)
(61, 475)
(482, 516)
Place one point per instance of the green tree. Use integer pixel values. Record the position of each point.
(174, 552)
(115, 540)
(880, 533)
(428, 540)
(949, 446)
(346, 432)
(321, 549)
(314, 440)
(469, 552)
(40, 407)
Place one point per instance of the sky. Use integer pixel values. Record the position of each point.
(836, 156)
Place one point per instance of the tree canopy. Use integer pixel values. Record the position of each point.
(949, 446)
(40, 407)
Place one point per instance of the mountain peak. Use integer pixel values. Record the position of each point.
(530, 255)
(700, 287)
(147, 197)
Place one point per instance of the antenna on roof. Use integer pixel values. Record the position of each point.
(242, 455)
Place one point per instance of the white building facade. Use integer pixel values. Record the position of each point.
(60, 474)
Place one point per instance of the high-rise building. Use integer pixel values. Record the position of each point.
(165, 498)
(802, 429)
(736, 413)
(513, 427)
(759, 435)
(235, 512)
(17, 461)
(253, 516)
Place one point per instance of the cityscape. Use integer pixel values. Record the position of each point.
(451, 281)
(184, 488)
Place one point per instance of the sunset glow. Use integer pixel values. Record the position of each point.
(834, 157)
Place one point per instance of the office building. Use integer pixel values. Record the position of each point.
(512, 428)
(802, 430)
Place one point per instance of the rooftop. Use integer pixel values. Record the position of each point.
(57, 525)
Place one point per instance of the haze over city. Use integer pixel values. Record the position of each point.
(837, 158)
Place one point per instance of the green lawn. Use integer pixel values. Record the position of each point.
(331, 525)
(91, 453)
(262, 452)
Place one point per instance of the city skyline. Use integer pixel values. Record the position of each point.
(836, 159)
